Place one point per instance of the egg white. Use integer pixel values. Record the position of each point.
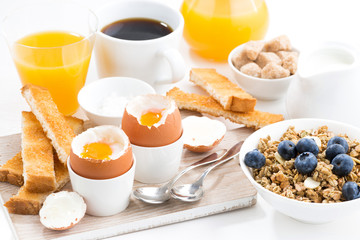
(202, 131)
(62, 210)
(140, 104)
(111, 135)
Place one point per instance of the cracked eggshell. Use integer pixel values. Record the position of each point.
(201, 134)
(120, 161)
(165, 132)
(62, 210)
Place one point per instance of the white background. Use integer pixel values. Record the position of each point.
(306, 22)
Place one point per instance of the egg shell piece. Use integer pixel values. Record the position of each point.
(62, 210)
(201, 134)
(121, 159)
(166, 131)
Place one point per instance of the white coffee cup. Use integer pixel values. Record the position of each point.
(104, 197)
(157, 164)
(156, 61)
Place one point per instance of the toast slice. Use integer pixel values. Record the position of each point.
(12, 170)
(37, 156)
(205, 104)
(25, 202)
(29, 203)
(52, 121)
(228, 94)
(76, 124)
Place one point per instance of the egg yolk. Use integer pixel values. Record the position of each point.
(150, 118)
(97, 150)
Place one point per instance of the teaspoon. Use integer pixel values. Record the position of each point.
(195, 191)
(157, 195)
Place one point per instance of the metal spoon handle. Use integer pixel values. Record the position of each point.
(209, 159)
(203, 176)
(228, 156)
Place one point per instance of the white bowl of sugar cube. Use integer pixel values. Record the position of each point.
(264, 68)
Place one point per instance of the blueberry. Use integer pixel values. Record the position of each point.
(343, 164)
(350, 191)
(334, 150)
(339, 140)
(306, 162)
(287, 149)
(307, 145)
(254, 159)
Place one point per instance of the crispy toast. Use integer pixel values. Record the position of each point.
(76, 124)
(12, 170)
(206, 104)
(37, 156)
(228, 94)
(25, 202)
(29, 203)
(52, 121)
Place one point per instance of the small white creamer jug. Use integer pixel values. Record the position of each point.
(327, 84)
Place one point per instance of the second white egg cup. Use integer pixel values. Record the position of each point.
(104, 197)
(157, 164)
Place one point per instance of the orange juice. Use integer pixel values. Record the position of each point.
(214, 27)
(56, 60)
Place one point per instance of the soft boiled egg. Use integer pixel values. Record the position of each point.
(152, 120)
(101, 152)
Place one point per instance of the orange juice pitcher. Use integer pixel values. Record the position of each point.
(214, 27)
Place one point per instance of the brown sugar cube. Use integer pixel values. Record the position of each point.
(240, 60)
(251, 69)
(253, 48)
(273, 71)
(290, 63)
(265, 58)
(284, 54)
(280, 43)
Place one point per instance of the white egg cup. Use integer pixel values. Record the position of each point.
(104, 197)
(158, 164)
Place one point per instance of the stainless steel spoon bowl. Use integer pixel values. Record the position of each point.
(195, 191)
(157, 195)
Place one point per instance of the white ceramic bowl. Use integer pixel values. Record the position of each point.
(263, 89)
(302, 211)
(91, 96)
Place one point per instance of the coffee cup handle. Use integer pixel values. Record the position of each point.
(177, 65)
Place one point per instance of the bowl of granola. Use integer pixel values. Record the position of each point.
(308, 169)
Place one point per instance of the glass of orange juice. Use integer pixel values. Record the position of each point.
(214, 27)
(51, 45)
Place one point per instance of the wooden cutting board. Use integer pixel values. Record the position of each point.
(226, 189)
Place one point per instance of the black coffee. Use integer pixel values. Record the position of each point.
(137, 29)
